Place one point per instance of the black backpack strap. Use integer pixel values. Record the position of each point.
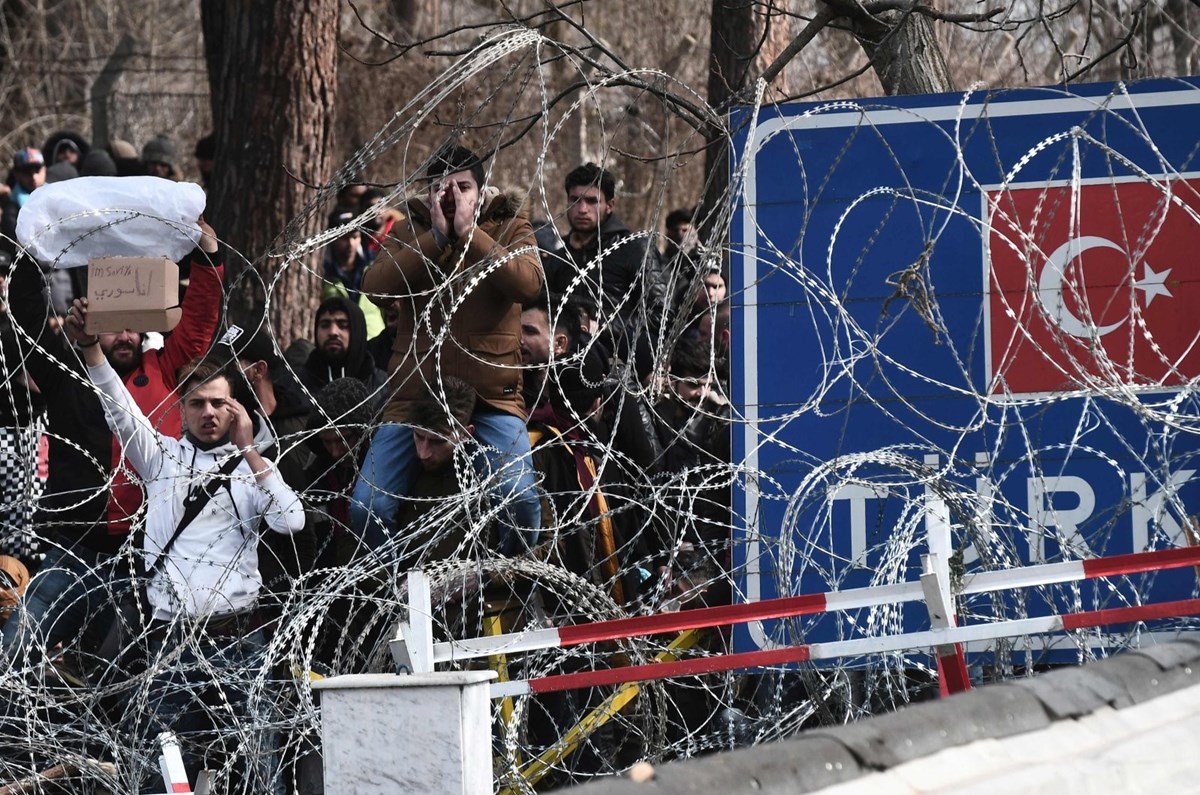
(193, 504)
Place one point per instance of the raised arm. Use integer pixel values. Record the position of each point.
(142, 445)
(275, 501)
(402, 267)
(201, 307)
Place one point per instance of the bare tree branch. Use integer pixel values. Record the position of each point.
(1116, 47)
(823, 17)
(878, 6)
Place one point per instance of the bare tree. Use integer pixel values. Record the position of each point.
(901, 45)
(273, 76)
(733, 47)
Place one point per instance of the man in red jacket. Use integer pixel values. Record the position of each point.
(83, 521)
(150, 375)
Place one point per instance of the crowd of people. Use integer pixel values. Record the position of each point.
(477, 383)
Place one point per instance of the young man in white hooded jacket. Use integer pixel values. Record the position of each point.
(208, 578)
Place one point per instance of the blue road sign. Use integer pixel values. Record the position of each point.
(977, 309)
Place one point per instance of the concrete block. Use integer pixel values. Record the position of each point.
(1071, 692)
(1137, 676)
(885, 783)
(385, 734)
(954, 767)
(1177, 654)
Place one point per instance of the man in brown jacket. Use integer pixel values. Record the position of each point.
(459, 269)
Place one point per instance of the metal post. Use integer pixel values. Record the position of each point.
(170, 763)
(102, 89)
(939, 597)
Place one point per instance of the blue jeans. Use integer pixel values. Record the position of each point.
(501, 443)
(67, 594)
(211, 693)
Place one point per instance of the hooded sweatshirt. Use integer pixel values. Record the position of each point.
(318, 370)
(212, 568)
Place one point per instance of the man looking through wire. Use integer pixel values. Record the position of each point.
(205, 494)
(459, 270)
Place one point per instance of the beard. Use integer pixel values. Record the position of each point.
(124, 358)
(335, 355)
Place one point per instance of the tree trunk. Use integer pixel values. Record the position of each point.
(272, 70)
(904, 53)
(734, 43)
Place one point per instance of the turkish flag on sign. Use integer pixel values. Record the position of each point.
(1096, 289)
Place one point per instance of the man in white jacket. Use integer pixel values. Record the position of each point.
(203, 586)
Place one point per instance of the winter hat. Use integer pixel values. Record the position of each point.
(206, 147)
(98, 163)
(250, 347)
(65, 141)
(122, 150)
(13, 579)
(28, 158)
(341, 216)
(64, 145)
(343, 402)
(60, 171)
(159, 150)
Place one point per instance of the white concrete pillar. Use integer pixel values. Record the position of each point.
(417, 733)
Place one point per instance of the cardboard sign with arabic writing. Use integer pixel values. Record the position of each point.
(135, 293)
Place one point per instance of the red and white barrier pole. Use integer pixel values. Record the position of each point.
(951, 661)
(846, 648)
(170, 763)
(811, 604)
(953, 676)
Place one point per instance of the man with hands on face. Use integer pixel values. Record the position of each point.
(204, 572)
(458, 269)
(453, 200)
(208, 572)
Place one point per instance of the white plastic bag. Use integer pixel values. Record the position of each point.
(64, 224)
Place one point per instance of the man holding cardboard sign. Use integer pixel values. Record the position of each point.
(89, 502)
(207, 493)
